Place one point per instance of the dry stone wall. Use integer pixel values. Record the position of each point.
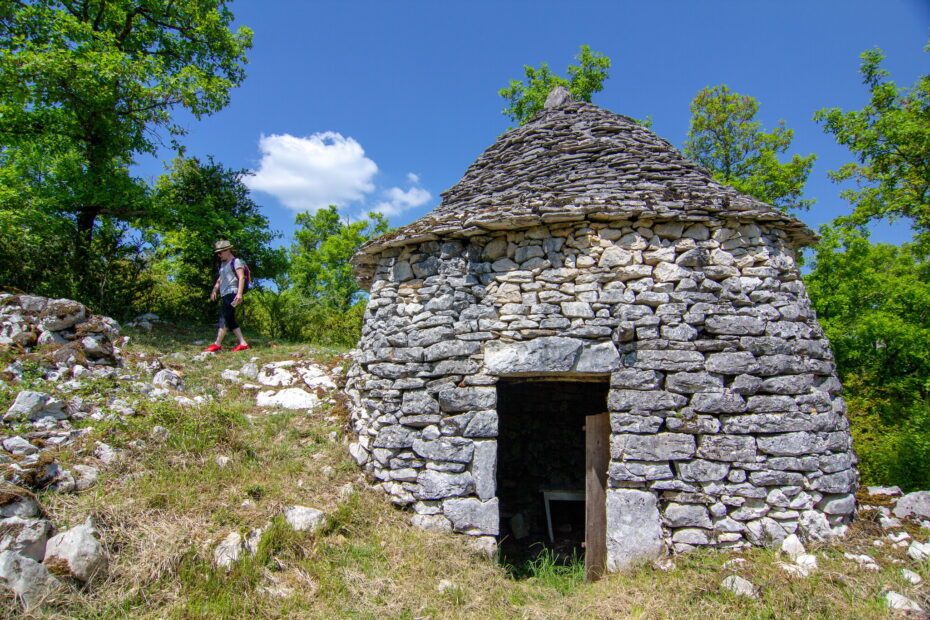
(727, 424)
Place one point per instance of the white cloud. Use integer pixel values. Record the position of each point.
(413, 178)
(397, 200)
(307, 174)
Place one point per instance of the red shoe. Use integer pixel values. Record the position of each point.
(213, 348)
(240, 347)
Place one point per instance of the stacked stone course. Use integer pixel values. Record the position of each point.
(727, 424)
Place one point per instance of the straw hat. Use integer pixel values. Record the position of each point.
(221, 245)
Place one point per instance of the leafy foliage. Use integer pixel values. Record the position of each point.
(85, 86)
(198, 203)
(872, 301)
(525, 100)
(890, 138)
(324, 243)
(726, 138)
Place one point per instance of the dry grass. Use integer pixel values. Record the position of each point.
(162, 510)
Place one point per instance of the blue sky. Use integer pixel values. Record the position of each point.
(375, 104)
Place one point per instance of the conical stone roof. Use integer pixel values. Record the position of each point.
(573, 161)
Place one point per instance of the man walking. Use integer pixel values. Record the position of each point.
(229, 286)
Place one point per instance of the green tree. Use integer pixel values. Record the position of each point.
(324, 244)
(86, 85)
(525, 100)
(872, 301)
(726, 138)
(890, 138)
(196, 204)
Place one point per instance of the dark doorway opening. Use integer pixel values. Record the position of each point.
(541, 466)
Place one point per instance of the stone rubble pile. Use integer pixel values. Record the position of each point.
(294, 384)
(62, 333)
(35, 562)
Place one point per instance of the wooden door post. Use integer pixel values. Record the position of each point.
(597, 459)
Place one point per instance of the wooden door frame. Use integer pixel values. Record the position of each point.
(597, 460)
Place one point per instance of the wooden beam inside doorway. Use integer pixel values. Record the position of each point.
(597, 459)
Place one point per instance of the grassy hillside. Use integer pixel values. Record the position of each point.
(166, 503)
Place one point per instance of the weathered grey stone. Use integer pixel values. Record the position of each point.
(449, 348)
(27, 579)
(482, 424)
(634, 528)
(394, 437)
(27, 537)
(687, 515)
(666, 360)
(472, 516)
(77, 552)
(734, 325)
(700, 470)
(643, 400)
(440, 485)
(728, 448)
(790, 444)
(732, 363)
(913, 506)
(658, 447)
(634, 379)
(547, 354)
(691, 382)
(484, 469)
(598, 358)
(692, 424)
(419, 403)
(431, 523)
(454, 449)
(634, 423)
(304, 518)
(838, 504)
(467, 399)
(717, 402)
(840, 482)
(636, 471)
(814, 526)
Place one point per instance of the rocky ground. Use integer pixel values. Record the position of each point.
(143, 478)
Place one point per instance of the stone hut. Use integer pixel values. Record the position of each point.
(591, 334)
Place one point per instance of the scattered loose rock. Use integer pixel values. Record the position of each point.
(77, 553)
(304, 519)
(913, 506)
(29, 580)
(899, 602)
(739, 586)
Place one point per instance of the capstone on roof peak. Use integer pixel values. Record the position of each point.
(557, 96)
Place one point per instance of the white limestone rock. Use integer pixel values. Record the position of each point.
(27, 579)
(899, 602)
(168, 379)
(289, 398)
(27, 537)
(739, 586)
(315, 377)
(918, 551)
(634, 528)
(277, 374)
(911, 577)
(914, 506)
(304, 519)
(78, 552)
(431, 523)
(228, 551)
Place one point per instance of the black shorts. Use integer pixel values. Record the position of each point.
(228, 313)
